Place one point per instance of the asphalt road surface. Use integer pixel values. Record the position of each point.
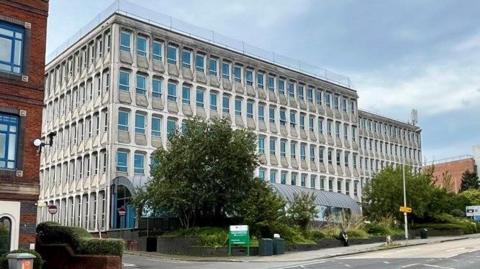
(459, 254)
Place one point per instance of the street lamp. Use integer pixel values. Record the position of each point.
(405, 202)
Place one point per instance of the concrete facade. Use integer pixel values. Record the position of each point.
(115, 95)
(21, 102)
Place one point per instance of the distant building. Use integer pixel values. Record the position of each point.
(448, 172)
(23, 27)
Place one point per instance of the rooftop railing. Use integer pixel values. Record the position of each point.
(150, 16)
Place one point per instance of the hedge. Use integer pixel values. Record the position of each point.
(79, 239)
(37, 262)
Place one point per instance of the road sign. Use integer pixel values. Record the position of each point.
(473, 210)
(52, 209)
(405, 209)
(121, 211)
(238, 235)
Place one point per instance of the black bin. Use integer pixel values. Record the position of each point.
(278, 246)
(151, 244)
(424, 233)
(265, 247)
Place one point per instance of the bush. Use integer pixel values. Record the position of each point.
(37, 261)
(357, 233)
(208, 236)
(79, 239)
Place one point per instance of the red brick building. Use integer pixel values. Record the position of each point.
(448, 173)
(23, 27)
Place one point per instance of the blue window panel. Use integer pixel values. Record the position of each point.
(300, 92)
(303, 180)
(171, 127)
(226, 70)
(140, 89)
(213, 101)
(273, 176)
(261, 174)
(139, 164)
(271, 114)
(261, 145)
(8, 140)
(294, 179)
(302, 121)
(156, 126)
(291, 89)
(271, 83)
(200, 62)
(122, 161)
(226, 104)
(238, 107)
(250, 110)
(172, 54)
(281, 86)
(260, 77)
(123, 120)
(237, 73)
(157, 50)
(212, 67)
(310, 94)
(302, 152)
(313, 182)
(139, 123)
(141, 45)
(249, 77)
(156, 88)
(172, 91)
(283, 117)
(293, 119)
(11, 47)
(283, 148)
(200, 97)
(272, 146)
(186, 94)
(124, 81)
(261, 112)
(125, 38)
(283, 178)
(186, 58)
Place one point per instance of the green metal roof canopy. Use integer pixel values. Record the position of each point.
(323, 198)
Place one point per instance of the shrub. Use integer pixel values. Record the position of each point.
(79, 239)
(37, 261)
(208, 236)
(357, 233)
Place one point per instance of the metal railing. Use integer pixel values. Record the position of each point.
(147, 15)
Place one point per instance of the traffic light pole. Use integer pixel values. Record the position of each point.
(405, 203)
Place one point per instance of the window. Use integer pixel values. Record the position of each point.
(283, 177)
(311, 121)
(122, 157)
(186, 58)
(226, 104)
(293, 150)
(156, 88)
(213, 101)
(273, 176)
(281, 86)
(172, 91)
(200, 97)
(141, 45)
(139, 164)
(327, 99)
(11, 47)
(238, 106)
(141, 85)
(157, 49)
(200, 63)
(261, 112)
(186, 94)
(291, 89)
(313, 181)
(171, 127)
(283, 148)
(261, 174)
(293, 119)
(261, 145)
(273, 142)
(260, 80)
(300, 92)
(249, 77)
(125, 40)
(139, 123)
(310, 94)
(302, 121)
(271, 114)
(237, 73)
(156, 126)
(312, 153)
(123, 120)
(271, 83)
(8, 140)
(303, 179)
(124, 83)
(283, 117)
(250, 109)
(302, 152)
(294, 179)
(172, 54)
(226, 70)
(212, 66)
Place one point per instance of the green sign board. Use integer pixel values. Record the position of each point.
(238, 235)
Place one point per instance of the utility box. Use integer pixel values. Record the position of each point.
(278, 246)
(265, 247)
(20, 261)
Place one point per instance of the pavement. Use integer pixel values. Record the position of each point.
(437, 252)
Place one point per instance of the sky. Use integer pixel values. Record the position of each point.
(399, 55)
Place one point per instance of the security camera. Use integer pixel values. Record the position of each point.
(38, 143)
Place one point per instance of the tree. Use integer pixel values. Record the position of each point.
(204, 174)
(472, 196)
(469, 181)
(302, 210)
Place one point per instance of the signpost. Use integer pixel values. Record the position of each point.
(52, 209)
(121, 211)
(238, 235)
(405, 209)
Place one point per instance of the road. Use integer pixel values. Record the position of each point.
(459, 254)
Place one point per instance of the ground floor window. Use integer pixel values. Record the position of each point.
(5, 234)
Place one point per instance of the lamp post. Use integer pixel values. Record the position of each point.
(405, 202)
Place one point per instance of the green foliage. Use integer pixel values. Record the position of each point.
(469, 181)
(357, 233)
(446, 221)
(471, 196)
(208, 236)
(204, 174)
(302, 210)
(37, 261)
(383, 227)
(79, 239)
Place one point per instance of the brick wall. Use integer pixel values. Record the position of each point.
(455, 169)
(23, 95)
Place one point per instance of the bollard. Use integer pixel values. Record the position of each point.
(20, 261)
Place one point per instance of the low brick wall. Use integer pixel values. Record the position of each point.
(61, 256)
(191, 246)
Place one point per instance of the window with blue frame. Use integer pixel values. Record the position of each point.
(237, 73)
(212, 66)
(303, 157)
(122, 161)
(200, 97)
(291, 89)
(301, 92)
(271, 114)
(283, 148)
(293, 150)
(125, 39)
(124, 80)
(213, 101)
(250, 109)
(141, 45)
(303, 179)
(140, 89)
(293, 119)
(200, 62)
(186, 58)
(11, 47)
(310, 94)
(226, 104)
(302, 121)
(139, 123)
(249, 77)
(8, 140)
(312, 153)
(260, 77)
(283, 178)
(171, 127)
(273, 143)
(273, 176)
(261, 112)
(238, 106)
(283, 117)
(281, 86)
(157, 50)
(172, 91)
(320, 126)
(123, 120)
(186, 94)
(261, 145)
(156, 88)
(294, 179)
(139, 164)
(156, 126)
(226, 70)
(261, 174)
(271, 83)
(172, 54)
(313, 181)
(327, 99)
